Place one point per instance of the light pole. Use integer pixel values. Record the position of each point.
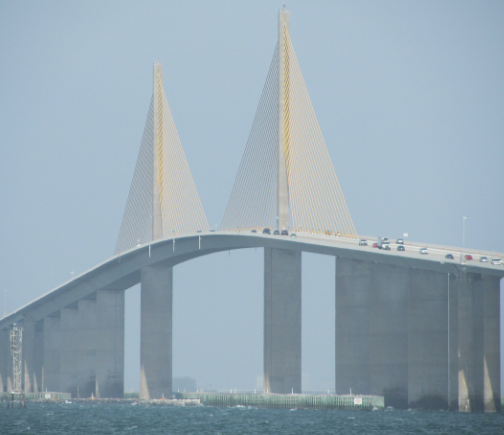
(463, 231)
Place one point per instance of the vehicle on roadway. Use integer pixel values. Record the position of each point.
(276, 233)
(293, 235)
(375, 245)
(266, 231)
(497, 261)
(284, 233)
(423, 251)
(254, 231)
(362, 242)
(449, 257)
(483, 259)
(401, 248)
(468, 257)
(400, 241)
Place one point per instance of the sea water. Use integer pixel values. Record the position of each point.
(144, 419)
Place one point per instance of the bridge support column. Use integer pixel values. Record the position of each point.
(87, 338)
(389, 334)
(471, 320)
(428, 340)
(52, 343)
(110, 344)
(69, 350)
(353, 285)
(28, 356)
(38, 369)
(156, 332)
(4, 359)
(489, 286)
(282, 321)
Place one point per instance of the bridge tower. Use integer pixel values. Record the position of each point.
(285, 181)
(163, 202)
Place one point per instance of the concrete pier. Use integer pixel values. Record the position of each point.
(87, 338)
(38, 367)
(156, 332)
(282, 321)
(428, 340)
(4, 359)
(353, 286)
(389, 334)
(52, 344)
(69, 350)
(28, 355)
(110, 343)
(490, 286)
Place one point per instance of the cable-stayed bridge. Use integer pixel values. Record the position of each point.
(394, 336)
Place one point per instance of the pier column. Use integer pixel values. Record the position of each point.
(38, 369)
(52, 346)
(156, 332)
(87, 338)
(453, 366)
(389, 334)
(428, 340)
(28, 355)
(353, 285)
(110, 344)
(4, 359)
(69, 350)
(469, 334)
(282, 321)
(490, 287)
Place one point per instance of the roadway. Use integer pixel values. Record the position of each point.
(123, 271)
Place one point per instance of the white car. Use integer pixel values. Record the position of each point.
(423, 251)
(362, 242)
(497, 261)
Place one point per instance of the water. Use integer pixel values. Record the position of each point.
(127, 419)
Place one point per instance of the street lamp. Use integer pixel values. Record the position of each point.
(463, 231)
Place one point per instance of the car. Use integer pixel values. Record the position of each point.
(276, 233)
(212, 230)
(497, 261)
(199, 231)
(284, 233)
(375, 245)
(362, 242)
(266, 231)
(386, 247)
(254, 231)
(293, 235)
(423, 251)
(449, 257)
(400, 241)
(401, 248)
(483, 259)
(468, 257)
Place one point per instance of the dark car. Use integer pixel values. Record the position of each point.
(276, 233)
(266, 231)
(254, 231)
(284, 233)
(401, 248)
(449, 257)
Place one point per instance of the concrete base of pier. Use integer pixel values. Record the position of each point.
(282, 321)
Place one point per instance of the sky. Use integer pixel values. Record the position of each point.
(409, 97)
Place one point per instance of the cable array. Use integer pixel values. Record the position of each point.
(316, 201)
(253, 198)
(162, 180)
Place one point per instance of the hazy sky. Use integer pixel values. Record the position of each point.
(409, 97)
